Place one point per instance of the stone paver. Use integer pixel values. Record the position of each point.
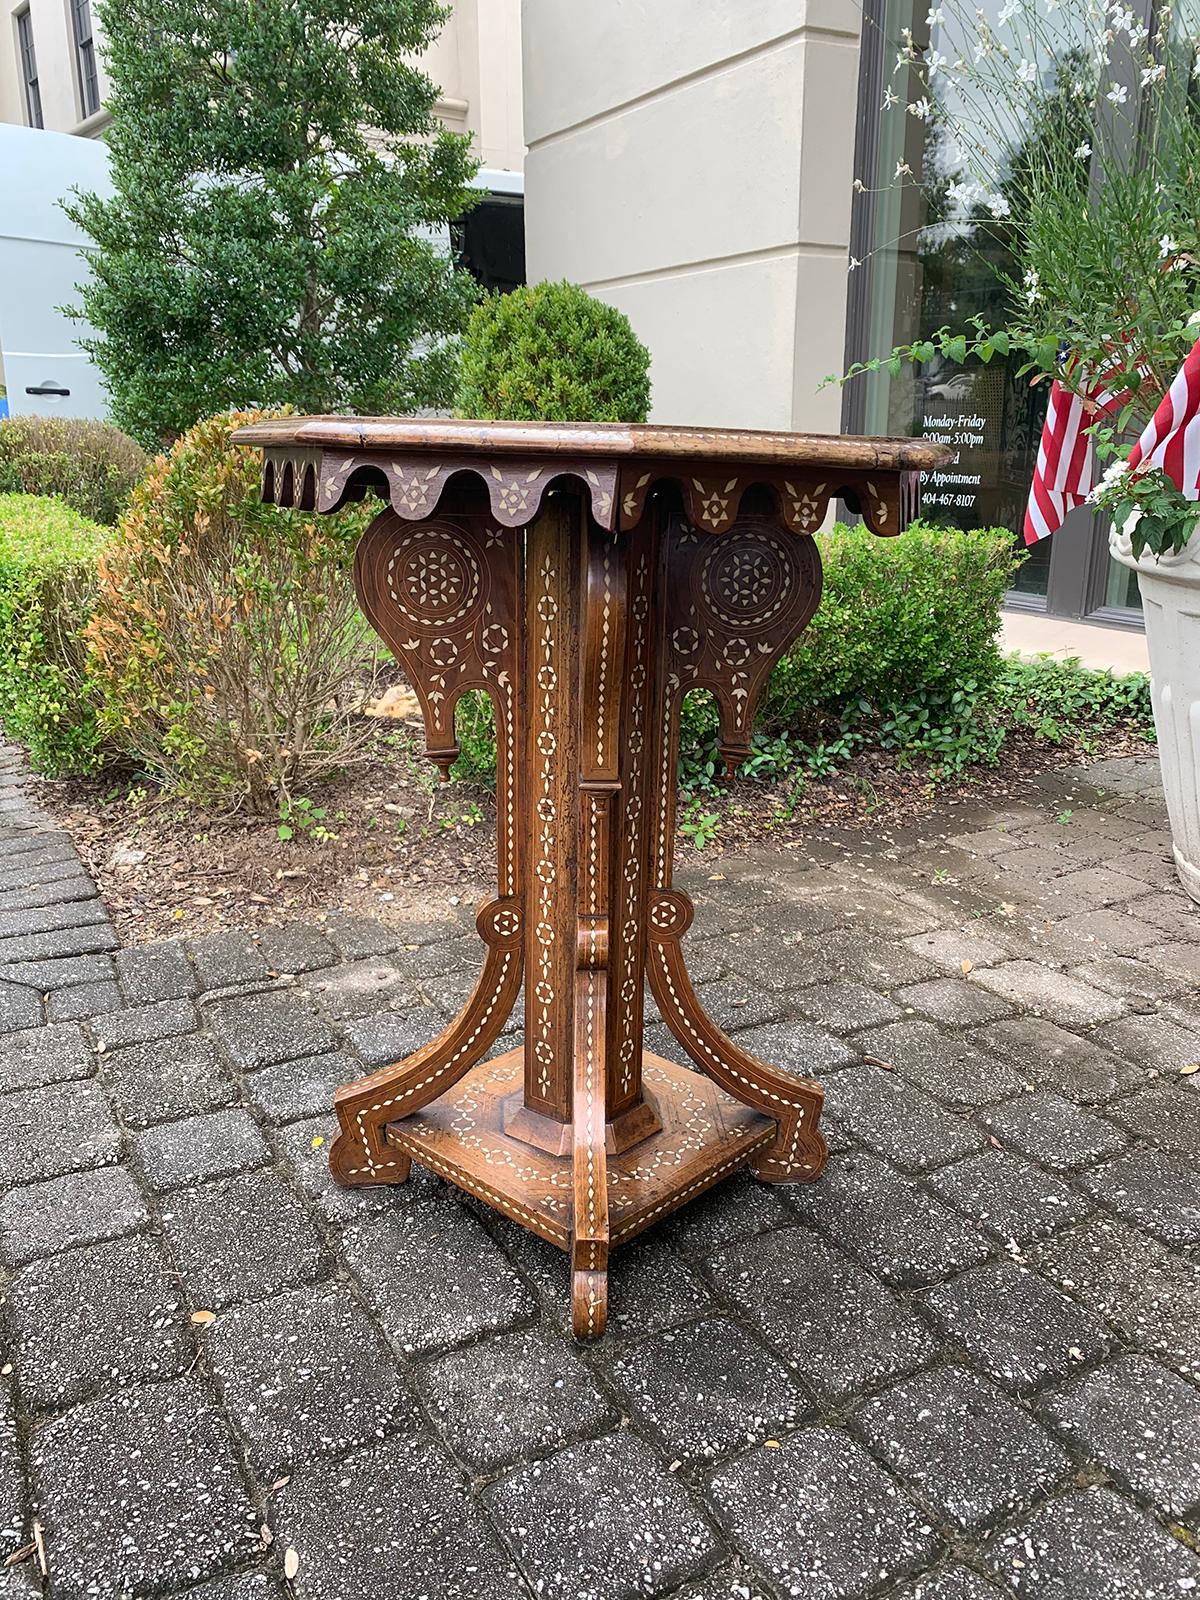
(519, 1394)
(884, 1220)
(78, 1208)
(1058, 1059)
(64, 1127)
(1048, 993)
(1053, 1131)
(820, 1518)
(33, 1057)
(968, 1451)
(306, 1374)
(305, 1088)
(838, 1326)
(260, 1030)
(95, 1317)
(240, 1238)
(846, 1007)
(473, 1289)
(895, 1383)
(1158, 1192)
(641, 1534)
(1009, 1197)
(942, 1064)
(1151, 1295)
(899, 1121)
(1093, 1546)
(140, 1491)
(1141, 1424)
(707, 1389)
(169, 1078)
(176, 1154)
(393, 1521)
(155, 972)
(160, 1019)
(1014, 1325)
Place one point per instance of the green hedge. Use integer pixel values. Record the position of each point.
(48, 554)
(91, 465)
(902, 653)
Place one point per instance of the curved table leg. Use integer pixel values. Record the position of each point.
(798, 1153)
(360, 1153)
(589, 1226)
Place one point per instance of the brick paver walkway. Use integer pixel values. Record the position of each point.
(963, 1364)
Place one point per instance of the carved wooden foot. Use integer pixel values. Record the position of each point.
(360, 1154)
(799, 1152)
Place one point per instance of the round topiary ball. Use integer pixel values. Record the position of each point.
(551, 352)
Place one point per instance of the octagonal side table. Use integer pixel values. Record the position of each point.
(585, 577)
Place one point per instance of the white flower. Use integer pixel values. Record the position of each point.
(964, 195)
(936, 63)
(1113, 474)
(855, 263)
(1166, 247)
(1008, 12)
(903, 170)
(890, 99)
(1033, 286)
(1122, 19)
(859, 186)
(921, 109)
(1083, 151)
(1117, 94)
(1051, 7)
(997, 205)
(1027, 71)
(1153, 74)
(936, 17)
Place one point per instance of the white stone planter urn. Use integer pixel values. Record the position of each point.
(1170, 587)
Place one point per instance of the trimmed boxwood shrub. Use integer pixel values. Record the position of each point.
(226, 642)
(551, 352)
(913, 618)
(91, 465)
(48, 555)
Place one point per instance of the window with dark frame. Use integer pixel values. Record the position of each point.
(910, 282)
(85, 57)
(29, 76)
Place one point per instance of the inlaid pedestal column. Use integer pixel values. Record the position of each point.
(586, 597)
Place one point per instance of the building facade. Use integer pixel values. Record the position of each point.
(694, 163)
(52, 73)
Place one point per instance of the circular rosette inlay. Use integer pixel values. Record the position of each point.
(746, 578)
(433, 577)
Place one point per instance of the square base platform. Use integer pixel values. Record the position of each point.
(705, 1136)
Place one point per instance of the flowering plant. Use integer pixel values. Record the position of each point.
(1061, 144)
(1146, 507)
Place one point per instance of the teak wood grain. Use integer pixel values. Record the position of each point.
(586, 578)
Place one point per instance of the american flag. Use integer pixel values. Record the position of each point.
(1171, 439)
(1066, 463)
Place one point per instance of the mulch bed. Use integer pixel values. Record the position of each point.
(164, 868)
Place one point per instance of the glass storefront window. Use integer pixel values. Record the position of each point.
(931, 261)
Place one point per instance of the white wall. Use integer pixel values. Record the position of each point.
(691, 162)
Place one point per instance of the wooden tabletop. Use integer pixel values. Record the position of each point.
(745, 446)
